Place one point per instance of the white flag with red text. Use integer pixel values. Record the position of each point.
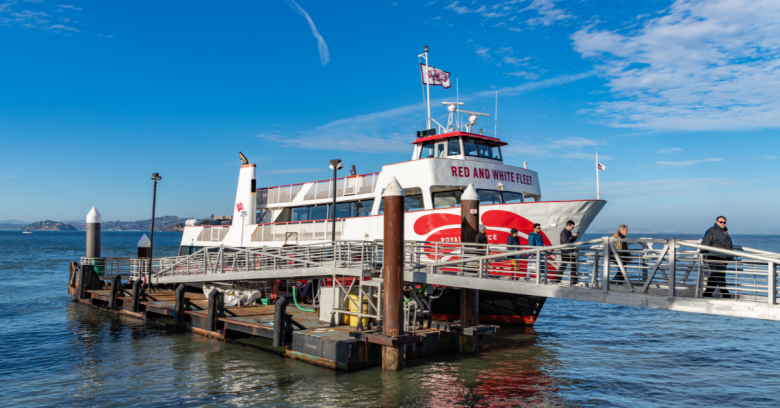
(601, 167)
(435, 76)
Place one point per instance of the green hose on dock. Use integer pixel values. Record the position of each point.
(296, 302)
(418, 292)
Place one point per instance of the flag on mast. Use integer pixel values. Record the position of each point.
(435, 76)
(600, 166)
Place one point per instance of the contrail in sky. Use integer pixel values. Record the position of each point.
(324, 57)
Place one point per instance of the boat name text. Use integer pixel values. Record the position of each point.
(475, 172)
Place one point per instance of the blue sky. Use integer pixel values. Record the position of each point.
(681, 100)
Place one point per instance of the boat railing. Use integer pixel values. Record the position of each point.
(345, 186)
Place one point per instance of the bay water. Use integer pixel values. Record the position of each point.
(54, 352)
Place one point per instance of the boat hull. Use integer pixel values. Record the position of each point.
(494, 307)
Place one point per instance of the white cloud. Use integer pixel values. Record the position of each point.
(483, 52)
(770, 157)
(523, 74)
(10, 16)
(321, 46)
(688, 162)
(567, 148)
(704, 65)
(546, 12)
(670, 151)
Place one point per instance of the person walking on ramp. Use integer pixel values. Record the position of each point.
(568, 257)
(621, 233)
(535, 239)
(718, 237)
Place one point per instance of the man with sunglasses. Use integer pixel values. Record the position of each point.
(535, 239)
(718, 237)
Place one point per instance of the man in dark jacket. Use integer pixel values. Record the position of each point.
(514, 243)
(718, 237)
(569, 257)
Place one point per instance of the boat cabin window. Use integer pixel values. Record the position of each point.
(510, 198)
(499, 197)
(189, 250)
(445, 199)
(323, 211)
(489, 196)
(412, 202)
(426, 150)
(413, 199)
(453, 146)
(482, 148)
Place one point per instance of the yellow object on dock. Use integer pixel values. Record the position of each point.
(353, 320)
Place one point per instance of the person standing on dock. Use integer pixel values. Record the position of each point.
(718, 237)
(569, 257)
(621, 233)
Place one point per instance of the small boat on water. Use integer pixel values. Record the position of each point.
(445, 160)
(27, 231)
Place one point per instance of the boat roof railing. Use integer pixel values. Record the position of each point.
(323, 189)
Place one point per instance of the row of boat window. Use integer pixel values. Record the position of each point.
(471, 147)
(412, 202)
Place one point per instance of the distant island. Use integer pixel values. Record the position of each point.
(166, 223)
(49, 225)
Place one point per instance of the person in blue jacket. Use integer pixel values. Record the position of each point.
(514, 241)
(535, 239)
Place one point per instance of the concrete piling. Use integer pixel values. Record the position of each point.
(178, 316)
(144, 247)
(393, 274)
(93, 233)
(469, 298)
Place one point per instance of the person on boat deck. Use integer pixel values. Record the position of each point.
(621, 233)
(535, 239)
(718, 237)
(514, 243)
(481, 236)
(482, 239)
(569, 257)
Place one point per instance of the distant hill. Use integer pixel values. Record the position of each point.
(48, 225)
(166, 223)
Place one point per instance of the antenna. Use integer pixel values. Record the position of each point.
(495, 119)
(457, 99)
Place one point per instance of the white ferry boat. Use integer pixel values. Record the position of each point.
(444, 162)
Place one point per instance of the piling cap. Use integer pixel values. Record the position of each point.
(393, 189)
(144, 242)
(94, 216)
(470, 194)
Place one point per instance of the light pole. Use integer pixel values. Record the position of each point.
(243, 227)
(156, 177)
(336, 165)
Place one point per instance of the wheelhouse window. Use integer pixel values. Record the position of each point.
(426, 150)
(482, 148)
(499, 197)
(453, 146)
(445, 199)
(510, 198)
(489, 196)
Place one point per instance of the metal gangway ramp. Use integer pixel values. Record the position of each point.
(656, 273)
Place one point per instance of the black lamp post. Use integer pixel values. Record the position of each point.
(156, 177)
(336, 165)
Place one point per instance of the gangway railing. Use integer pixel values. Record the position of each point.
(231, 263)
(659, 273)
(670, 267)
